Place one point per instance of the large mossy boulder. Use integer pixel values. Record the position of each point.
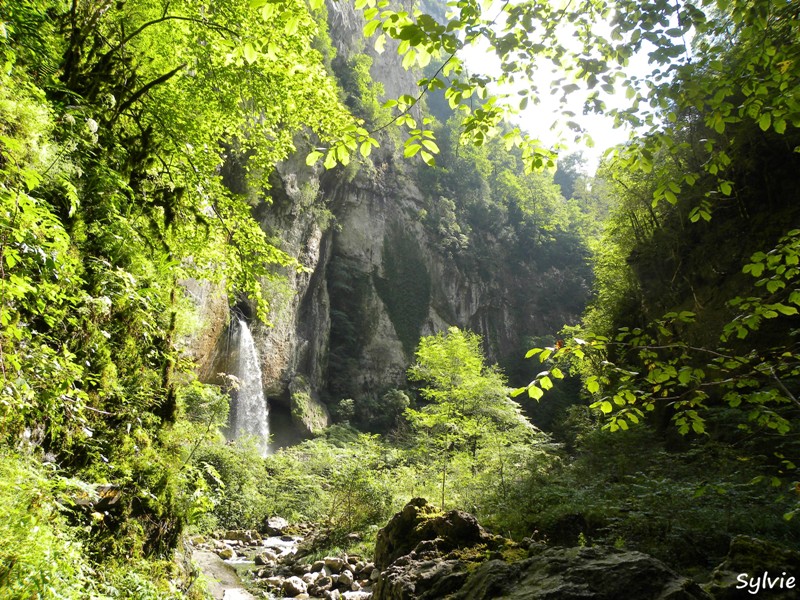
(601, 573)
(425, 555)
(742, 573)
(419, 522)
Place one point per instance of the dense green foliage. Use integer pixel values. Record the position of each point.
(115, 121)
(119, 123)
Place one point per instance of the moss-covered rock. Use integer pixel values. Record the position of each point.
(308, 413)
(423, 554)
(753, 557)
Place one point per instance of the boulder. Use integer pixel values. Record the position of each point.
(577, 573)
(265, 558)
(226, 553)
(294, 586)
(317, 565)
(273, 581)
(358, 595)
(276, 525)
(242, 535)
(346, 578)
(741, 574)
(324, 583)
(335, 563)
(425, 579)
(310, 578)
(420, 521)
(450, 559)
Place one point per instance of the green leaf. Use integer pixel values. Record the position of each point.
(534, 392)
(249, 52)
(592, 385)
(380, 43)
(606, 407)
(431, 145)
(313, 157)
(755, 269)
(764, 121)
(786, 310)
(411, 149)
(371, 27)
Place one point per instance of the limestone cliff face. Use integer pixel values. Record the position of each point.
(376, 276)
(380, 278)
(378, 272)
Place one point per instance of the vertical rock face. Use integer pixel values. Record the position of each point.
(378, 278)
(211, 303)
(378, 273)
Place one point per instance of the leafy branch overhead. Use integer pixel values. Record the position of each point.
(691, 70)
(689, 379)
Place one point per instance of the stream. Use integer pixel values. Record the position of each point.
(242, 564)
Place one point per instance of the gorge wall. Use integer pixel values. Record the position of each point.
(381, 269)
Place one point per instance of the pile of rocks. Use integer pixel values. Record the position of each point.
(274, 566)
(333, 578)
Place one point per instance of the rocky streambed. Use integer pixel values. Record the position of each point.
(269, 565)
(424, 554)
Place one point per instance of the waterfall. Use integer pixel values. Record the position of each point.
(251, 411)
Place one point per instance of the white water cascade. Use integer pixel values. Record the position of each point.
(251, 414)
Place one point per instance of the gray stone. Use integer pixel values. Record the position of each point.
(420, 522)
(431, 570)
(356, 595)
(294, 586)
(334, 563)
(310, 578)
(346, 578)
(275, 581)
(266, 558)
(755, 557)
(226, 553)
(324, 583)
(242, 535)
(276, 525)
(300, 569)
(318, 565)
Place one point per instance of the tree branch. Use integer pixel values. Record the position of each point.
(146, 88)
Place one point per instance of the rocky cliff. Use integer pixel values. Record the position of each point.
(378, 272)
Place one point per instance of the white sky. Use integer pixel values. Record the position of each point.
(546, 121)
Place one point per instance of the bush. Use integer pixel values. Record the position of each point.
(40, 555)
(234, 474)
